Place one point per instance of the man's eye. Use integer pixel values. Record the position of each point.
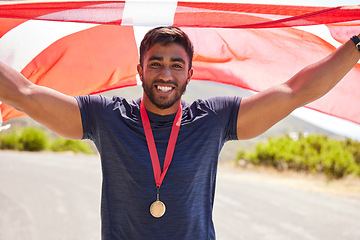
(177, 66)
(155, 64)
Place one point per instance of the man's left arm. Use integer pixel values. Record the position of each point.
(261, 111)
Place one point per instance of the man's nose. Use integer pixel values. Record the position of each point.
(165, 74)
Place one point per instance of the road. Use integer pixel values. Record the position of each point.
(47, 196)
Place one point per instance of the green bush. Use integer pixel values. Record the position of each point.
(35, 139)
(25, 139)
(61, 144)
(354, 147)
(9, 141)
(313, 154)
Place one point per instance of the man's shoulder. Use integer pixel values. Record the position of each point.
(105, 101)
(121, 100)
(214, 102)
(99, 105)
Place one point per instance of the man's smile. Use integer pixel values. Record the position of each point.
(164, 89)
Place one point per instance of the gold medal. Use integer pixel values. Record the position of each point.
(157, 209)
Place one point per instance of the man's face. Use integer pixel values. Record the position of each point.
(164, 75)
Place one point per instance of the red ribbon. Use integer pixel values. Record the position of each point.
(158, 175)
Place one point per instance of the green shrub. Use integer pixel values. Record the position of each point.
(32, 139)
(25, 139)
(9, 141)
(61, 144)
(35, 139)
(354, 147)
(313, 154)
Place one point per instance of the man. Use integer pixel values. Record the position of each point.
(143, 195)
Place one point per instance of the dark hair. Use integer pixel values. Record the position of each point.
(164, 36)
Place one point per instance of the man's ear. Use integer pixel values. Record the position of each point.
(140, 70)
(190, 74)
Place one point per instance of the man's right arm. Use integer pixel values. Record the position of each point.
(56, 111)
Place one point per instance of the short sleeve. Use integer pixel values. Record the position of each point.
(227, 109)
(91, 108)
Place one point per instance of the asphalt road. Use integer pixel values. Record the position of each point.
(50, 196)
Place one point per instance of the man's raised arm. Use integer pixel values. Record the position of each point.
(56, 111)
(261, 111)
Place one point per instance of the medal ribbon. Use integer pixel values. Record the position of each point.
(158, 175)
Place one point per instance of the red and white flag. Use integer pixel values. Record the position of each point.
(86, 47)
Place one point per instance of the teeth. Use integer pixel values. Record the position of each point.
(164, 89)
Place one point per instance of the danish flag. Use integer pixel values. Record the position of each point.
(88, 47)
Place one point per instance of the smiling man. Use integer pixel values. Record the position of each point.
(159, 154)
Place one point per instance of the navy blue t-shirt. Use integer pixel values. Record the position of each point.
(129, 187)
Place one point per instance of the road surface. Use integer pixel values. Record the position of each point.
(47, 196)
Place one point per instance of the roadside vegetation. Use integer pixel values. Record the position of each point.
(313, 154)
(36, 139)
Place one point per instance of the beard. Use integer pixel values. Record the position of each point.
(164, 102)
